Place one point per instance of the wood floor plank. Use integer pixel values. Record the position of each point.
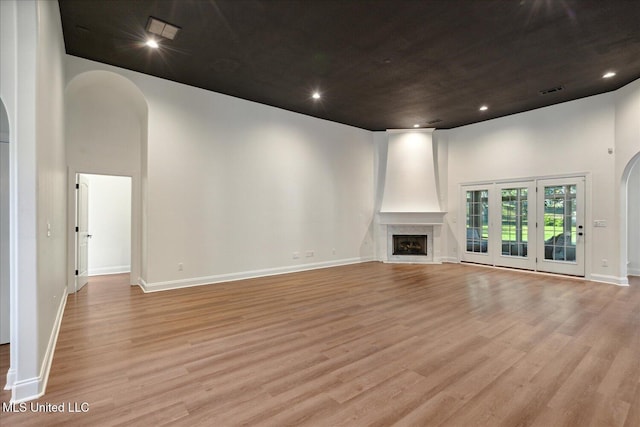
(368, 344)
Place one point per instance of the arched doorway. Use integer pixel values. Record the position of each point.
(106, 126)
(630, 250)
(5, 317)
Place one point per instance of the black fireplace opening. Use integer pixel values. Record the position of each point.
(407, 244)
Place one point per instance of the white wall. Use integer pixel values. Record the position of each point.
(633, 220)
(52, 173)
(234, 188)
(569, 138)
(109, 224)
(31, 84)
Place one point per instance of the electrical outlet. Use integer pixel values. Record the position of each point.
(296, 255)
(605, 262)
(309, 254)
(333, 251)
(180, 266)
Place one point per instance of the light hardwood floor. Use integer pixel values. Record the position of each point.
(369, 344)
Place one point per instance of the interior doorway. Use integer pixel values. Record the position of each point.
(103, 226)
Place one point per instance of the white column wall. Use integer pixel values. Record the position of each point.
(31, 85)
(52, 176)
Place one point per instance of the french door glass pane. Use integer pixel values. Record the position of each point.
(560, 222)
(515, 227)
(477, 221)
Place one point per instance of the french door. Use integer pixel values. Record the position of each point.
(561, 226)
(533, 225)
(477, 224)
(515, 239)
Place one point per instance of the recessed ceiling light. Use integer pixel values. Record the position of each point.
(484, 108)
(152, 43)
(416, 126)
(608, 75)
(316, 95)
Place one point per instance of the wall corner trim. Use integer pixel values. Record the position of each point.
(232, 277)
(33, 388)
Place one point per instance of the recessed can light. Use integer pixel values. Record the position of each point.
(416, 126)
(316, 95)
(484, 108)
(608, 75)
(152, 43)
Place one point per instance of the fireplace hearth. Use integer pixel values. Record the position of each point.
(410, 245)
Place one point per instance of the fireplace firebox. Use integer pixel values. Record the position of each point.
(408, 244)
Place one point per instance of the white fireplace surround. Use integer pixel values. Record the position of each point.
(434, 243)
(410, 203)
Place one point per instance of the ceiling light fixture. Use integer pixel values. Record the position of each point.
(162, 28)
(152, 43)
(316, 95)
(608, 75)
(484, 108)
(416, 126)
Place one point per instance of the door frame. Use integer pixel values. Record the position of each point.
(81, 276)
(137, 225)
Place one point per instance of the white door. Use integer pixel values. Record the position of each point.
(82, 231)
(477, 228)
(561, 230)
(514, 242)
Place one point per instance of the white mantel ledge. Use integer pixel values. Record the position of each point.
(411, 218)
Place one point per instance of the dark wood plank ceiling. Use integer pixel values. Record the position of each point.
(378, 64)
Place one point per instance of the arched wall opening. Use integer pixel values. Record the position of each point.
(630, 233)
(106, 134)
(5, 265)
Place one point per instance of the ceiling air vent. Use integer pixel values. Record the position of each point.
(161, 28)
(552, 90)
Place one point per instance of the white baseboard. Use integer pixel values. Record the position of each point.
(33, 388)
(451, 259)
(231, 277)
(11, 379)
(101, 271)
(603, 278)
(633, 271)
